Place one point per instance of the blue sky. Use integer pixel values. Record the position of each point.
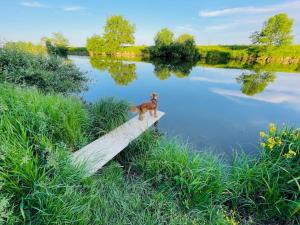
(211, 22)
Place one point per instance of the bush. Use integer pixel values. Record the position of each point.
(46, 73)
(26, 47)
(186, 50)
(269, 187)
(82, 51)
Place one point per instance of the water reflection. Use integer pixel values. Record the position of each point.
(123, 73)
(163, 69)
(252, 82)
(255, 81)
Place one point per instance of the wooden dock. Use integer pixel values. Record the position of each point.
(96, 154)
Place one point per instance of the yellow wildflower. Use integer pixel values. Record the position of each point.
(290, 154)
(262, 134)
(263, 145)
(271, 142)
(272, 128)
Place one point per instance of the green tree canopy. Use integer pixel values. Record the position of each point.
(57, 39)
(164, 37)
(275, 32)
(95, 44)
(117, 32)
(185, 37)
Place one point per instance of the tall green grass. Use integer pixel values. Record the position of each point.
(40, 185)
(107, 114)
(154, 181)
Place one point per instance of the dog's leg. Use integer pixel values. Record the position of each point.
(151, 112)
(140, 116)
(155, 112)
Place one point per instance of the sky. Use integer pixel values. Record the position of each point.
(211, 22)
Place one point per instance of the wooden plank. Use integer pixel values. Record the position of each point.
(96, 154)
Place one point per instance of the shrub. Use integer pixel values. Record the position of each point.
(269, 187)
(26, 47)
(46, 73)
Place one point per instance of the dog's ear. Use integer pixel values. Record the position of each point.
(154, 95)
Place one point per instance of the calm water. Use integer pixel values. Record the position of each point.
(215, 108)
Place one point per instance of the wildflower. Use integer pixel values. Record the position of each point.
(263, 144)
(272, 128)
(271, 142)
(290, 154)
(262, 134)
(278, 141)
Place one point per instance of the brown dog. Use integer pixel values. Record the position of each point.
(147, 106)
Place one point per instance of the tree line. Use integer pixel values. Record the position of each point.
(119, 32)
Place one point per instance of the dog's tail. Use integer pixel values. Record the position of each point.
(134, 109)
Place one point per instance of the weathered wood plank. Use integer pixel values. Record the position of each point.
(96, 154)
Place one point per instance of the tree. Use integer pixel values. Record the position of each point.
(184, 48)
(117, 32)
(184, 37)
(275, 32)
(95, 44)
(164, 37)
(57, 45)
(57, 39)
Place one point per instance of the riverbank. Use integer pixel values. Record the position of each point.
(154, 181)
(288, 55)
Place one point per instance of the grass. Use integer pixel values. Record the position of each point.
(153, 181)
(42, 186)
(49, 74)
(107, 114)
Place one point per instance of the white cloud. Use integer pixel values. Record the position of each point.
(73, 8)
(34, 4)
(291, 5)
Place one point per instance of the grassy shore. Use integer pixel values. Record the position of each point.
(155, 180)
(286, 55)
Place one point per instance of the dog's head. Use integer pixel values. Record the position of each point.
(154, 96)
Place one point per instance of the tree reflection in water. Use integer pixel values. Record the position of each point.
(122, 73)
(256, 81)
(163, 69)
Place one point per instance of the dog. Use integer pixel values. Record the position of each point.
(147, 106)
